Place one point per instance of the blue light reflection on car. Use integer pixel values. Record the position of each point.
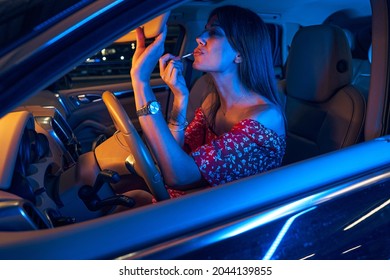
(61, 15)
(87, 19)
(291, 212)
(296, 206)
(283, 232)
(369, 214)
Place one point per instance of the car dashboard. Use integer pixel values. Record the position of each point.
(39, 147)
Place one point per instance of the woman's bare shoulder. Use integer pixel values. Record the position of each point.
(270, 116)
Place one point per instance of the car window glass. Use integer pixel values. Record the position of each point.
(275, 32)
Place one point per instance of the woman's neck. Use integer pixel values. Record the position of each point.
(230, 90)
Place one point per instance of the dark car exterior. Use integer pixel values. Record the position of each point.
(335, 206)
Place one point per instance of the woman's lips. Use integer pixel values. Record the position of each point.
(197, 52)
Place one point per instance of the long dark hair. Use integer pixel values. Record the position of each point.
(248, 34)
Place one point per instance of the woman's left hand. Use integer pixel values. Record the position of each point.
(171, 71)
(146, 58)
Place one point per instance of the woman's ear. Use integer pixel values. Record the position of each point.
(238, 58)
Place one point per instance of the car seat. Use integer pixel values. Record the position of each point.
(324, 111)
(362, 74)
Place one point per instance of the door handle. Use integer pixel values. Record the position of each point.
(88, 98)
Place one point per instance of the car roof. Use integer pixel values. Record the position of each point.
(305, 12)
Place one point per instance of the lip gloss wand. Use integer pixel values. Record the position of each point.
(186, 55)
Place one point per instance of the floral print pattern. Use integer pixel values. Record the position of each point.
(247, 149)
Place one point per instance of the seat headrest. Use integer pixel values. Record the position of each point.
(319, 63)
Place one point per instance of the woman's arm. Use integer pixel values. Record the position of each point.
(171, 69)
(178, 169)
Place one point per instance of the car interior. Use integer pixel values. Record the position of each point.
(68, 151)
(325, 111)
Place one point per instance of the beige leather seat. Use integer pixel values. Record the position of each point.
(324, 111)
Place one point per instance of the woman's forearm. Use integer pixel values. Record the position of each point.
(178, 168)
(177, 121)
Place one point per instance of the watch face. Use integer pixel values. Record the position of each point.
(154, 107)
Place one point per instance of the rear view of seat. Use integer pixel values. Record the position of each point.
(362, 74)
(324, 111)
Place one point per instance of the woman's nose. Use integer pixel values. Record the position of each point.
(200, 40)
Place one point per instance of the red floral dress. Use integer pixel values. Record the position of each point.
(247, 149)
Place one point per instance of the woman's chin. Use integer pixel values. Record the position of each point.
(195, 65)
(198, 66)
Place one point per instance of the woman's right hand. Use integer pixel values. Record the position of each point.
(145, 58)
(171, 71)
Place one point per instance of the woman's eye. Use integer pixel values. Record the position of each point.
(212, 33)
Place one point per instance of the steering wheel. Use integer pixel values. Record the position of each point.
(140, 157)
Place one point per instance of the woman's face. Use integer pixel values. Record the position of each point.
(214, 53)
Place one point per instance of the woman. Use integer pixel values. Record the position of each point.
(239, 129)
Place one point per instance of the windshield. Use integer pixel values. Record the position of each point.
(23, 19)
